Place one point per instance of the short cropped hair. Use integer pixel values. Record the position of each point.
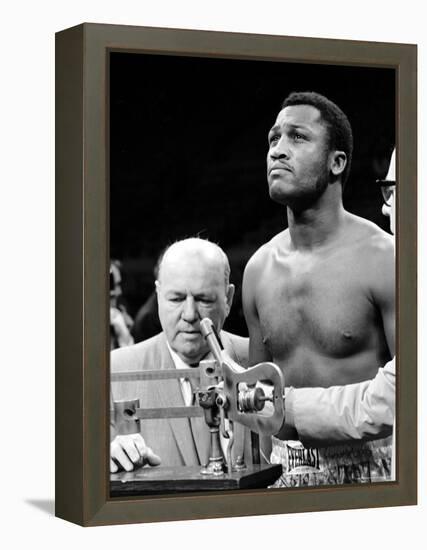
(340, 135)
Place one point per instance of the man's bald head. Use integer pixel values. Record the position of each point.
(193, 283)
(201, 249)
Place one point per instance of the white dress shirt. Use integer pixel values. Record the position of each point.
(185, 383)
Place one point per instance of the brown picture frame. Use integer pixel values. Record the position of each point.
(82, 331)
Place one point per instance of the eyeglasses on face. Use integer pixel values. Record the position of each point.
(387, 189)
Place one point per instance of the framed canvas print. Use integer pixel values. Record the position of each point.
(236, 274)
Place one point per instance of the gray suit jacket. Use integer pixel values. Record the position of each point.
(176, 440)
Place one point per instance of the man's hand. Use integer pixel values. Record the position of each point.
(129, 452)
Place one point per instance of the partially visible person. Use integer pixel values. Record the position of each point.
(319, 297)
(147, 323)
(120, 321)
(193, 283)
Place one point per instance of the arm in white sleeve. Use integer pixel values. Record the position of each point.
(342, 413)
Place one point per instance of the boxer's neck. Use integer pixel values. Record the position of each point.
(320, 223)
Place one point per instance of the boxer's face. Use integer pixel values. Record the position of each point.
(298, 156)
(188, 290)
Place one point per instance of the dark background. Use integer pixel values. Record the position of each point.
(188, 143)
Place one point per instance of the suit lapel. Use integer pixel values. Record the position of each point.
(170, 395)
(201, 436)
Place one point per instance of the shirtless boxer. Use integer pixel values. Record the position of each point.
(319, 297)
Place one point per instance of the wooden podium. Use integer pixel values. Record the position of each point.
(163, 480)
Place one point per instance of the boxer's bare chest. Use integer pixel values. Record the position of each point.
(319, 303)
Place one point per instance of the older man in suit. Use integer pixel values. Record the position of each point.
(193, 283)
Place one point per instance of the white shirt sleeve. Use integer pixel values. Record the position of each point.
(341, 413)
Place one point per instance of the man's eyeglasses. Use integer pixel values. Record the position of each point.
(387, 189)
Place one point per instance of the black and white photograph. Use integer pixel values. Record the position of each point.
(198, 268)
(252, 272)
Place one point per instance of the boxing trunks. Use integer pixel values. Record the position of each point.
(366, 462)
